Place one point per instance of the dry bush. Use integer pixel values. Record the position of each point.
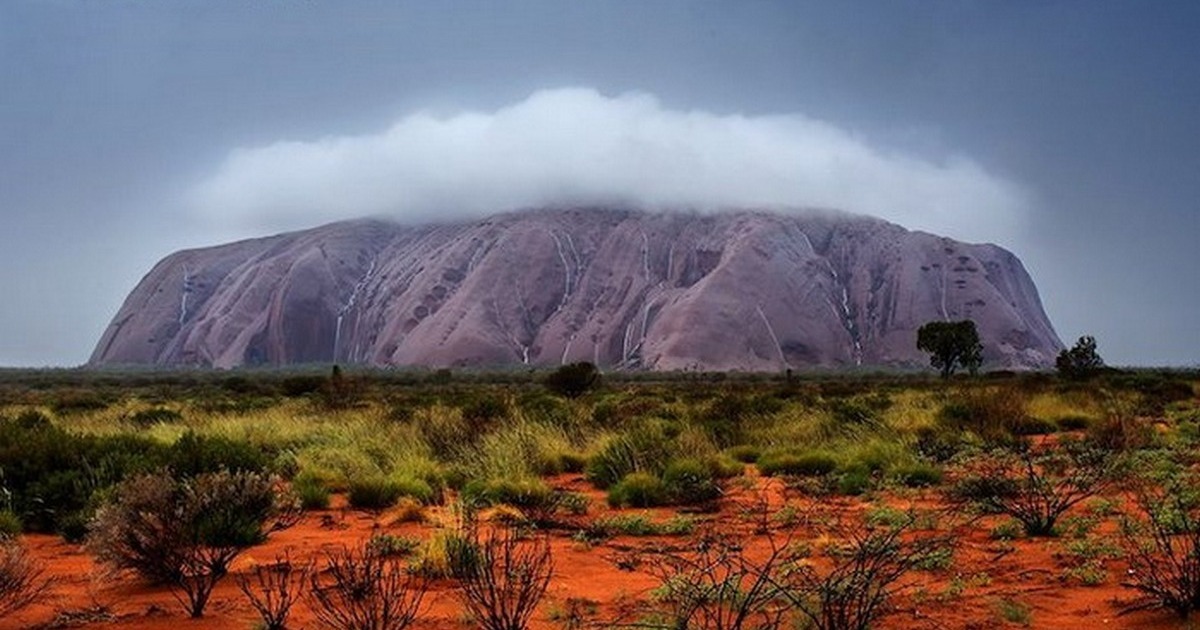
(273, 589)
(363, 590)
(717, 587)
(1036, 485)
(21, 579)
(1163, 548)
(503, 577)
(867, 569)
(186, 533)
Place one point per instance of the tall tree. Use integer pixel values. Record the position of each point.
(951, 345)
(1080, 361)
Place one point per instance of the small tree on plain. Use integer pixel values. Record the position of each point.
(573, 380)
(186, 533)
(951, 345)
(1081, 361)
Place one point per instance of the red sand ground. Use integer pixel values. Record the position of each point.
(1029, 571)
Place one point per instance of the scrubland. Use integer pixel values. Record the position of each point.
(442, 500)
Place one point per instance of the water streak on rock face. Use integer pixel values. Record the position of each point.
(662, 291)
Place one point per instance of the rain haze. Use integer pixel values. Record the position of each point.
(1065, 132)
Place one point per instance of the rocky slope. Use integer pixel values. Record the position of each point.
(731, 291)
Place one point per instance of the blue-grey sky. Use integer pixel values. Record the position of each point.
(1068, 132)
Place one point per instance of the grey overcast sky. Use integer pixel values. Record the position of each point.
(1068, 132)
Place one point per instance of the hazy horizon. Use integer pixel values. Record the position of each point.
(1064, 132)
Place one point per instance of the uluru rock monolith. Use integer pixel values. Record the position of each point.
(746, 290)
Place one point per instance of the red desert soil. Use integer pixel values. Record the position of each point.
(1027, 571)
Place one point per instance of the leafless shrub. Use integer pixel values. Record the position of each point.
(363, 590)
(503, 576)
(1037, 485)
(21, 579)
(718, 587)
(768, 579)
(1163, 548)
(186, 533)
(273, 589)
(866, 570)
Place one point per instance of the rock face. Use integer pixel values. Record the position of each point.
(623, 289)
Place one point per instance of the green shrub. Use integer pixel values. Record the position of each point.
(646, 448)
(939, 443)
(917, 474)
(855, 481)
(744, 453)
(186, 532)
(573, 380)
(1157, 392)
(611, 463)
(374, 493)
(1014, 611)
(156, 415)
(640, 525)
(301, 385)
(876, 454)
(575, 503)
(74, 527)
(485, 410)
(77, 401)
(638, 489)
(388, 545)
(52, 474)
(723, 420)
(523, 494)
(981, 491)
(852, 412)
(10, 525)
(887, 516)
(690, 482)
(417, 488)
(445, 430)
(724, 467)
(805, 464)
(194, 454)
(312, 492)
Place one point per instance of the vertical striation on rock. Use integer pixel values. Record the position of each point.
(625, 289)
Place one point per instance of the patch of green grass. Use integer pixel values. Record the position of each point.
(800, 464)
(374, 493)
(642, 525)
(392, 545)
(312, 492)
(638, 489)
(10, 525)
(1014, 611)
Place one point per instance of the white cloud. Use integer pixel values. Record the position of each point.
(578, 146)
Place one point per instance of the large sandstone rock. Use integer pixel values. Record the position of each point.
(673, 291)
